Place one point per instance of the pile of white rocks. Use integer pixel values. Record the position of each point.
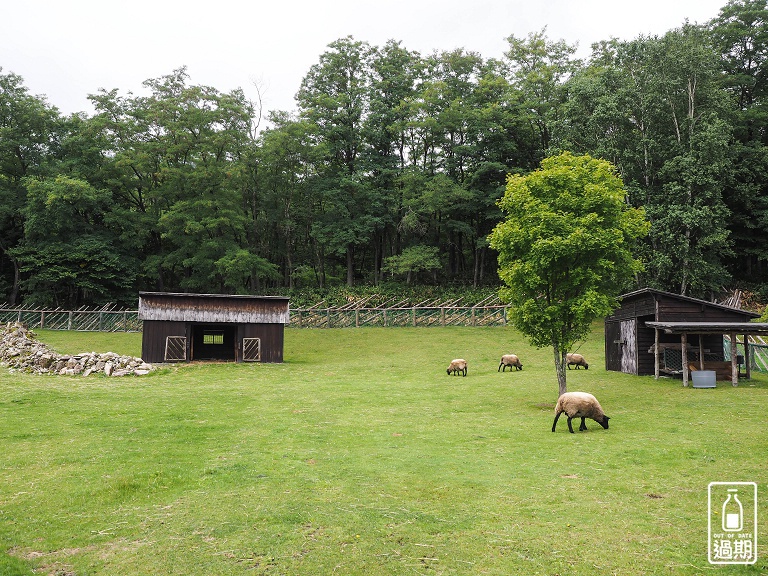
(21, 351)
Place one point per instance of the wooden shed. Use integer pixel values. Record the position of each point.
(185, 327)
(655, 332)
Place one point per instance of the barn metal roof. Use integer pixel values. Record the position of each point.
(710, 327)
(213, 308)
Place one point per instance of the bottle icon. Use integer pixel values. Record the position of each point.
(733, 512)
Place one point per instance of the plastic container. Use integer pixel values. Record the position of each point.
(704, 378)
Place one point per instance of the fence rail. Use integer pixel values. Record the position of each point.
(102, 320)
(399, 316)
(110, 320)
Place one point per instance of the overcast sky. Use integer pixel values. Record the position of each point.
(67, 49)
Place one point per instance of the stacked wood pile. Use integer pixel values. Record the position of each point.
(21, 351)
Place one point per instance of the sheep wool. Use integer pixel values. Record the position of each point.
(510, 360)
(458, 366)
(577, 360)
(580, 405)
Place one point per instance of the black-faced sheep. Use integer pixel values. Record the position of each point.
(458, 366)
(510, 360)
(580, 405)
(577, 360)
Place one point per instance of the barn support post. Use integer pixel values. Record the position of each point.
(684, 354)
(656, 367)
(701, 352)
(734, 364)
(747, 359)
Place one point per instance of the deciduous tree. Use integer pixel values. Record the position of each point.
(565, 249)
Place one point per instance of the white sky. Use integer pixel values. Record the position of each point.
(67, 49)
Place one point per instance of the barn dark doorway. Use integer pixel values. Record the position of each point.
(213, 342)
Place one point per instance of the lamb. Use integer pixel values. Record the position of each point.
(458, 366)
(580, 405)
(576, 359)
(510, 360)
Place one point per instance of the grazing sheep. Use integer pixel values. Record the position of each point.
(510, 360)
(580, 405)
(576, 359)
(458, 366)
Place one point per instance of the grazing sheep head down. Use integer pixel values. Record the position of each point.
(576, 360)
(580, 405)
(510, 360)
(457, 366)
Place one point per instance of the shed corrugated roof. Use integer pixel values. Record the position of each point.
(710, 327)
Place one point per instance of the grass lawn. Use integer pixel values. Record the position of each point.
(359, 455)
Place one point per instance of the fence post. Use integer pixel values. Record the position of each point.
(42, 319)
(69, 320)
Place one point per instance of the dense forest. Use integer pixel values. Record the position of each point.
(389, 169)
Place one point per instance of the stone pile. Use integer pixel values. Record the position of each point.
(21, 351)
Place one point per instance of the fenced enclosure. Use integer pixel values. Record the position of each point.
(356, 314)
(105, 319)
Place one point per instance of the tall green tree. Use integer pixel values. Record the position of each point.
(68, 256)
(281, 203)
(740, 37)
(181, 152)
(30, 135)
(334, 95)
(394, 73)
(654, 107)
(566, 250)
(538, 68)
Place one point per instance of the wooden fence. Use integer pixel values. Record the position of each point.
(353, 315)
(105, 319)
(424, 316)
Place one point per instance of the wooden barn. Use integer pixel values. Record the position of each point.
(186, 327)
(656, 332)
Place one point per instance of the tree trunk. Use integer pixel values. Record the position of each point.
(14, 294)
(350, 266)
(560, 369)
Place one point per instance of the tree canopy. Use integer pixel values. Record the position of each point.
(565, 249)
(392, 164)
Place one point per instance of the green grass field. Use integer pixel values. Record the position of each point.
(359, 455)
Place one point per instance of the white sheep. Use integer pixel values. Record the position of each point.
(459, 365)
(580, 405)
(577, 360)
(510, 360)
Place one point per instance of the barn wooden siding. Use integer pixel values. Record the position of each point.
(187, 317)
(622, 354)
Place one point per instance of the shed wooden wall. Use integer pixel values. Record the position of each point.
(155, 333)
(272, 339)
(642, 306)
(153, 338)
